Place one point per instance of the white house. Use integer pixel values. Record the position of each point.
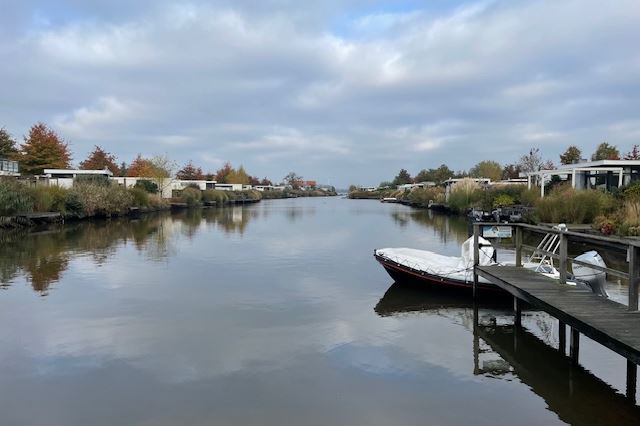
(601, 174)
(417, 185)
(9, 167)
(64, 177)
(179, 184)
(268, 188)
(229, 186)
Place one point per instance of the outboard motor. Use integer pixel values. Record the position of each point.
(594, 278)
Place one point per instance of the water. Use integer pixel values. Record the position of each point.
(273, 314)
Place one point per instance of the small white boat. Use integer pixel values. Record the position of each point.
(433, 269)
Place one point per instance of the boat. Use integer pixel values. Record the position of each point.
(389, 200)
(431, 269)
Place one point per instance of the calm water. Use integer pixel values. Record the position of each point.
(272, 314)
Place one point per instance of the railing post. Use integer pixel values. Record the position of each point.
(476, 255)
(563, 258)
(634, 271)
(518, 246)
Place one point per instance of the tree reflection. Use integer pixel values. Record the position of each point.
(42, 257)
(445, 227)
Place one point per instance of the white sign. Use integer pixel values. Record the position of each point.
(495, 231)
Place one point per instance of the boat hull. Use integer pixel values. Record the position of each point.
(404, 274)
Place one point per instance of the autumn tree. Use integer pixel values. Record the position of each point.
(266, 182)
(634, 154)
(402, 178)
(604, 151)
(99, 159)
(190, 172)
(43, 149)
(7, 145)
(223, 173)
(487, 169)
(571, 156)
(140, 167)
(254, 180)
(238, 176)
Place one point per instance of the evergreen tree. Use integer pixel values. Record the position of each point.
(7, 145)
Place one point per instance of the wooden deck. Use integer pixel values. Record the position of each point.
(607, 322)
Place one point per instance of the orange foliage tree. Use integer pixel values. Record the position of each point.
(99, 159)
(190, 172)
(43, 149)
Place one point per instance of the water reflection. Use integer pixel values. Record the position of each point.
(42, 257)
(447, 228)
(505, 352)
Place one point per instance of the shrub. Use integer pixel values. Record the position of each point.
(631, 191)
(191, 196)
(49, 198)
(140, 197)
(464, 195)
(211, 195)
(100, 200)
(92, 179)
(147, 185)
(566, 204)
(503, 200)
(14, 198)
(425, 195)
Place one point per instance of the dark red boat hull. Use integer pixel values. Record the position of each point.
(402, 274)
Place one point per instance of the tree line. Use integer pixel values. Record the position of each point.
(532, 161)
(43, 148)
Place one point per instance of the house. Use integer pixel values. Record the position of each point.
(417, 185)
(64, 177)
(9, 167)
(203, 185)
(367, 188)
(229, 186)
(601, 174)
(165, 186)
(268, 188)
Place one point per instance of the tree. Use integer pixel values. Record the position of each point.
(224, 172)
(100, 160)
(238, 176)
(511, 171)
(162, 170)
(190, 172)
(402, 178)
(7, 145)
(43, 149)
(254, 180)
(385, 184)
(571, 156)
(487, 169)
(438, 175)
(634, 154)
(140, 167)
(604, 151)
(266, 182)
(533, 162)
(293, 179)
(123, 169)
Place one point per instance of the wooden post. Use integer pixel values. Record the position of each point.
(517, 311)
(632, 379)
(634, 271)
(476, 340)
(562, 337)
(518, 246)
(476, 256)
(563, 258)
(574, 345)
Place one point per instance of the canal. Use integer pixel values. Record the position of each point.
(272, 314)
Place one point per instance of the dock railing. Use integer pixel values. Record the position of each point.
(630, 246)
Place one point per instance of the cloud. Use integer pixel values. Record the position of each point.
(255, 81)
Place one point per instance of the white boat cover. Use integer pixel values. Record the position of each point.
(457, 268)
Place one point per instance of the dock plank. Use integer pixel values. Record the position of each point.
(605, 321)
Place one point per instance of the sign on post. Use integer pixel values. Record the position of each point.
(496, 231)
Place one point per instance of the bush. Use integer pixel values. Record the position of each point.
(14, 198)
(464, 195)
(503, 200)
(49, 198)
(425, 195)
(631, 191)
(191, 196)
(568, 205)
(147, 185)
(100, 200)
(213, 195)
(102, 180)
(140, 197)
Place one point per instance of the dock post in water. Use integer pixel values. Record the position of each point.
(632, 379)
(476, 256)
(634, 272)
(574, 345)
(562, 337)
(518, 246)
(517, 312)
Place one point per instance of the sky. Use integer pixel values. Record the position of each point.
(343, 92)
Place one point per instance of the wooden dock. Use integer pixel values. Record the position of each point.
(600, 319)
(611, 324)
